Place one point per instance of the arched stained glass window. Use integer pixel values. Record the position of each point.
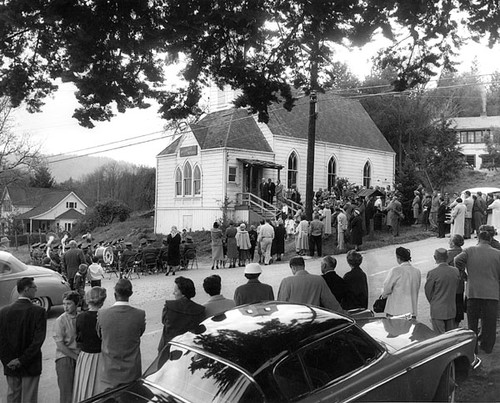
(332, 173)
(178, 182)
(367, 175)
(188, 178)
(197, 180)
(292, 169)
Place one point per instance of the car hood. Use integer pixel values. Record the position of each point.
(37, 271)
(396, 333)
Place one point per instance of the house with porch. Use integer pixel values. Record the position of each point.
(40, 209)
(218, 163)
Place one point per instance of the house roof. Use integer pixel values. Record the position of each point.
(340, 121)
(70, 214)
(41, 199)
(233, 128)
(476, 122)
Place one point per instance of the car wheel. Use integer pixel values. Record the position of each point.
(44, 302)
(447, 385)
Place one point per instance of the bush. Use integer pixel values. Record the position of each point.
(103, 214)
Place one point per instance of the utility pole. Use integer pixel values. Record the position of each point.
(311, 135)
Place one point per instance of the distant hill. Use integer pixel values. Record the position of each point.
(75, 166)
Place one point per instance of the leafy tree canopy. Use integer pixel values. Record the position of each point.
(42, 177)
(115, 51)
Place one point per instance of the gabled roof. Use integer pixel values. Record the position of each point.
(31, 196)
(233, 128)
(41, 199)
(339, 121)
(172, 147)
(475, 122)
(70, 214)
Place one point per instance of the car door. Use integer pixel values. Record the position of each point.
(347, 366)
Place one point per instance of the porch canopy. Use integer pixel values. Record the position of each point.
(260, 163)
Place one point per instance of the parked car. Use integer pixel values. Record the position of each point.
(50, 284)
(278, 352)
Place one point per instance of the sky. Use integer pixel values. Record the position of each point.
(58, 133)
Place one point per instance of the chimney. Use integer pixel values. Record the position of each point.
(483, 98)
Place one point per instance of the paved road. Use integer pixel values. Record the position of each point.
(150, 293)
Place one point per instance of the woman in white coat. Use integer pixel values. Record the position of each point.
(495, 213)
(458, 218)
(401, 286)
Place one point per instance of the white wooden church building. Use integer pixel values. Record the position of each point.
(228, 152)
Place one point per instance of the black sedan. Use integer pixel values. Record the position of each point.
(278, 352)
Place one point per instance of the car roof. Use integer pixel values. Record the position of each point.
(255, 335)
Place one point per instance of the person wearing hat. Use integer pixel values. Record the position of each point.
(394, 214)
(401, 286)
(357, 230)
(306, 288)
(243, 244)
(128, 256)
(4, 243)
(71, 261)
(415, 206)
(253, 291)
(481, 263)
(440, 290)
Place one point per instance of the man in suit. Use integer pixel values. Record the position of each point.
(335, 283)
(440, 290)
(253, 291)
(22, 332)
(71, 261)
(120, 328)
(306, 288)
(482, 263)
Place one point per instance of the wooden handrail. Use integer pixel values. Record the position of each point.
(262, 206)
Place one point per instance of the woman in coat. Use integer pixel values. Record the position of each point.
(244, 244)
(356, 230)
(217, 247)
(495, 213)
(456, 243)
(232, 248)
(88, 364)
(458, 218)
(173, 251)
(278, 246)
(401, 286)
(180, 314)
(302, 236)
(356, 291)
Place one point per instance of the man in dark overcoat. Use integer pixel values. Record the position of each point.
(23, 327)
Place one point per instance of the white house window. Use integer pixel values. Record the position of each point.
(332, 173)
(67, 226)
(70, 204)
(231, 177)
(367, 174)
(188, 178)
(292, 169)
(178, 182)
(197, 180)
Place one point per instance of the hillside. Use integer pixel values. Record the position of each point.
(471, 179)
(74, 166)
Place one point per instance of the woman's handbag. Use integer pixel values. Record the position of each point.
(379, 305)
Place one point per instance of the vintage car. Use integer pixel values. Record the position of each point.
(50, 284)
(278, 352)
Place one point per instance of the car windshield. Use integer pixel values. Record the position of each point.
(196, 377)
(10, 264)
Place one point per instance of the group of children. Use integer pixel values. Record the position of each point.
(93, 273)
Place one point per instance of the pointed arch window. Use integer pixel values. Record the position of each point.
(292, 169)
(367, 175)
(178, 182)
(197, 181)
(332, 173)
(188, 177)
